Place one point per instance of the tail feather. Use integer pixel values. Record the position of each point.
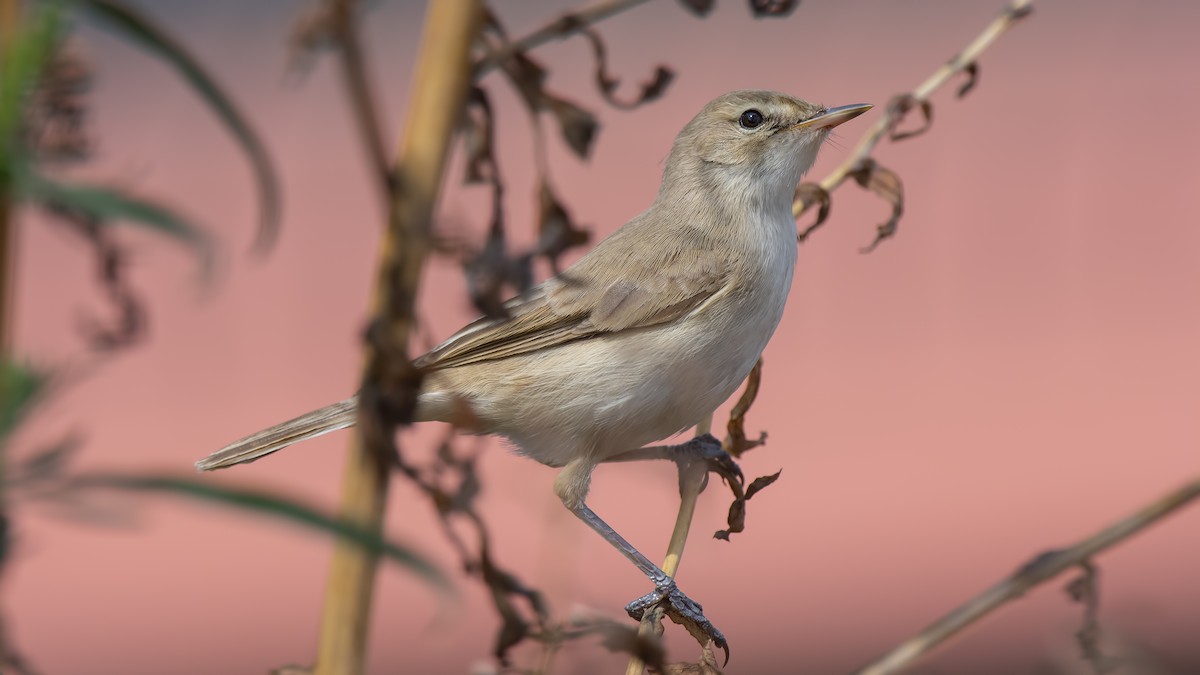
(316, 423)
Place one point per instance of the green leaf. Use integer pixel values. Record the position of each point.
(108, 205)
(272, 505)
(140, 30)
(19, 388)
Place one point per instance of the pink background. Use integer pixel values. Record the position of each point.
(1018, 368)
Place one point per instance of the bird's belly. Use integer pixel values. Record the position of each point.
(606, 395)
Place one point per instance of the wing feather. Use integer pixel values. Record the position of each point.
(608, 291)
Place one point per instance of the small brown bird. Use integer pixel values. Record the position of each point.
(642, 337)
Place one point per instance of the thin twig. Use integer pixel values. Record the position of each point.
(343, 25)
(439, 91)
(563, 27)
(692, 477)
(1041, 569)
(962, 62)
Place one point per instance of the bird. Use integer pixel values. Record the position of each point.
(641, 338)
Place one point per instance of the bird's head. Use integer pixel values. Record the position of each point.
(755, 140)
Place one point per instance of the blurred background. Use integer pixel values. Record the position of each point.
(1017, 368)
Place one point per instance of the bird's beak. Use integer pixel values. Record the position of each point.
(834, 116)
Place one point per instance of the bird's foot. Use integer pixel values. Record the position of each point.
(708, 449)
(682, 610)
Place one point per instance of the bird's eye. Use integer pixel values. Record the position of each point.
(751, 119)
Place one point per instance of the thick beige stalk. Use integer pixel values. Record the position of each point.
(441, 80)
(691, 482)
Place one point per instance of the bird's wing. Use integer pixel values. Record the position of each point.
(615, 288)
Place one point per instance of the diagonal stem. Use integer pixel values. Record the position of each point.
(1012, 13)
(1041, 569)
(692, 477)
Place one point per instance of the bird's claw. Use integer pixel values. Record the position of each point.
(682, 610)
(707, 448)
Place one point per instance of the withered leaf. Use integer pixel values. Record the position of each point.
(972, 72)
(761, 482)
(491, 271)
(736, 442)
(699, 7)
(736, 519)
(898, 109)
(886, 184)
(578, 126)
(813, 193)
(1085, 589)
(129, 324)
(618, 637)
(556, 231)
(607, 83)
(529, 77)
(503, 586)
(773, 7)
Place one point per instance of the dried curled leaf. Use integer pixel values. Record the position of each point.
(898, 109)
(762, 8)
(55, 116)
(577, 125)
(617, 637)
(556, 231)
(1084, 589)
(608, 84)
(736, 442)
(761, 482)
(885, 184)
(492, 270)
(809, 194)
(529, 77)
(699, 7)
(972, 72)
(451, 482)
(736, 518)
(514, 628)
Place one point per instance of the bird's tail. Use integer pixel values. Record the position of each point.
(330, 418)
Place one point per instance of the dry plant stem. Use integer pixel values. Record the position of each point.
(940, 77)
(442, 76)
(691, 482)
(344, 26)
(556, 30)
(1041, 569)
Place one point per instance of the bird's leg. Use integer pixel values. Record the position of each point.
(571, 486)
(704, 448)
